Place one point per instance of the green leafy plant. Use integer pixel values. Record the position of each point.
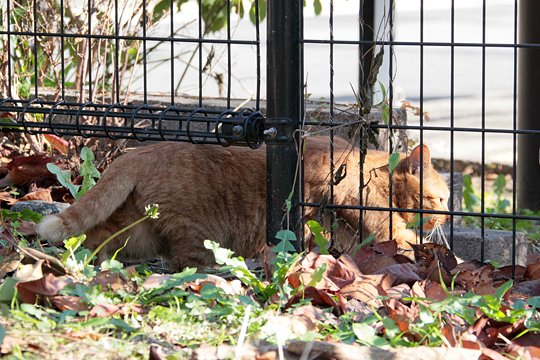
(283, 262)
(88, 171)
(496, 203)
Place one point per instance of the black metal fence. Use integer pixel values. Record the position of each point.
(90, 56)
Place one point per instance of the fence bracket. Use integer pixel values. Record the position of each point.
(278, 130)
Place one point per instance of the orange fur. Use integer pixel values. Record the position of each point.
(210, 192)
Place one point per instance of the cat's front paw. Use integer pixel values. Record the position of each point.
(407, 238)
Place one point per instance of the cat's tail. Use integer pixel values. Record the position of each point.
(96, 206)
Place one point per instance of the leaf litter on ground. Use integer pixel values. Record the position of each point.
(53, 301)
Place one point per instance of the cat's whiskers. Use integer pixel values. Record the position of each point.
(437, 235)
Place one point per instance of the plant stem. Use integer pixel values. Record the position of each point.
(109, 239)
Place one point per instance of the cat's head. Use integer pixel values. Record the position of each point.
(434, 194)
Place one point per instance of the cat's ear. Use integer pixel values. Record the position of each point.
(415, 162)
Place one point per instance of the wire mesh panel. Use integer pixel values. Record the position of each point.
(145, 70)
(452, 68)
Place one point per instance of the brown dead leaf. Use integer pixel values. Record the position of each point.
(337, 275)
(49, 285)
(533, 271)
(29, 272)
(113, 280)
(449, 331)
(156, 353)
(375, 263)
(479, 281)
(388, 248)
(401, 273)
(42, 194)
(510, 272)
(368, 289)
(427, 253)
(7, 345)
(10, 263)
(49, 264)
(82, 335)
(155, 281)
(360, 309)
(533, 258)
(59, 144)
(529, 288)
(470, 265)
(399, 292)
(488, 330)
(349, 263)
(470, 341)
(435, 291)
(74, 303)
(231, 287)
(336, 271)
(315, 314)
(104, 310)
(418, 289)
(7, 197)
(318, 297)
(401, 314)
(525, 347)
(25, 170)
(302, 278)
(7, 235)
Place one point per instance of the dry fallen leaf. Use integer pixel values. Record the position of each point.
(29, 272)
(399, 291)
(7, 345)
(104, 310)
(479, 281)
(25, 170)
(231, 287)
(533, 271)
(315, 314)
(401, 314)
(113, 281)
(42, 194)
(318, 297)
(369, 289)
(155, 281)
(49, 285)
(529, 288)
(68, 303)
(388, 248)
(10, 263)
(58, 143)
(401, 273)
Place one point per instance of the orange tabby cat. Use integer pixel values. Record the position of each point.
(211, 192)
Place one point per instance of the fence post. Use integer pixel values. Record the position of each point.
(528, 170)
(284, 101)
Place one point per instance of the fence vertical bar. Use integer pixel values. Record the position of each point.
(528, 169)
(284, 101)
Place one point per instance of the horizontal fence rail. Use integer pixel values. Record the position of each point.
(143, 122)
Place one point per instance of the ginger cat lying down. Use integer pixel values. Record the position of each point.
(216, 193)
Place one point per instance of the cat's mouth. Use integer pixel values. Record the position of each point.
(437, 235)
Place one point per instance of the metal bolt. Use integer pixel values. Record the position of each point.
(237, 130)
(272, 132)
